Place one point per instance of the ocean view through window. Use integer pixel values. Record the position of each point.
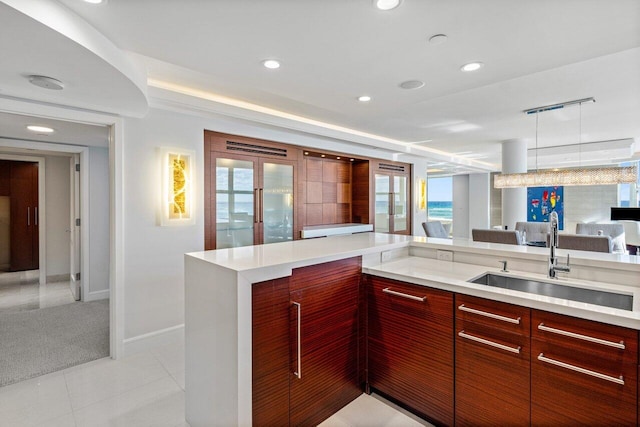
(439, 201)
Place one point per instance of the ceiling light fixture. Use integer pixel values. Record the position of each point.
(387, 4)
(40, 129)
(560, 177)
(471, 66)
(271, 64)
(364, 98)
(46, 82)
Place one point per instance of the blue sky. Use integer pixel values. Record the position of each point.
(440, 189)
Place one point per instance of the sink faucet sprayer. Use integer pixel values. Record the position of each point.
(553, 244)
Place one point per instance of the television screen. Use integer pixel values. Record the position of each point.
(618, 214)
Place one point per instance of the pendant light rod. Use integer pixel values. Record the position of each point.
(537, 110)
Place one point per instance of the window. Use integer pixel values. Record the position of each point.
(440, 201)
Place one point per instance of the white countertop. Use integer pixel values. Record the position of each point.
(453, 276)
(334, 230)
(302, 252)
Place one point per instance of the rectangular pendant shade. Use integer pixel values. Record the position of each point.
(552, 178)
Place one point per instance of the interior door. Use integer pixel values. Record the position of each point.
(383, 204)
(24, 216)
(276, 201)
(237, 193)
(74, 227)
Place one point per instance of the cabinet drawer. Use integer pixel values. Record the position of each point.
(586, 339)
(507, 317)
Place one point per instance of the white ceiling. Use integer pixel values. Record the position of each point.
(535, 53)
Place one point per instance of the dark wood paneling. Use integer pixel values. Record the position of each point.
(344, 193)
(492, 384)
(561, 396)
(209, 195)
(329, 171)
(313, 169)
(410, 348)
(313, 214)
(270, 352)
(329, 298)
(344, 172)
(360, 186)
(314, 192)
(343, 214)
(329, 192)
(329, 213)
(5, 177)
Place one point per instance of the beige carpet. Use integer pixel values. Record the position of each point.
(37, 342)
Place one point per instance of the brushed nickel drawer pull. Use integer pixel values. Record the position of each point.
(298, 372)
(542, 358)
(400, 294)
(462, 307)
(463, 334)
(619, 345)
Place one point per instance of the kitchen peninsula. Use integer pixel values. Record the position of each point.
(220, 329)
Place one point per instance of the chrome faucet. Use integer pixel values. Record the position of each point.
(553, 245)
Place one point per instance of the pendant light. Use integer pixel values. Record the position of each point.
(566, 177)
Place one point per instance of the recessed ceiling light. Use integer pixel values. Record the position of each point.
(306, 153)
(272, 64)
(438, 39)
(322, 155)
(46, 82)
(472, 66)
(351, 160)
(412, 84)
(338, 158)
(364, 98)
(387, 4)
(40, 129)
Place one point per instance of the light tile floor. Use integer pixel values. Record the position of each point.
(144, 389)
(20, 291)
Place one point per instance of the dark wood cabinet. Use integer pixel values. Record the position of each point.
(582, 372)
(410, 347)
(492, 363)
(306, 353)
(23, 234)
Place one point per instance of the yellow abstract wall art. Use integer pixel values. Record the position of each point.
(177, 187)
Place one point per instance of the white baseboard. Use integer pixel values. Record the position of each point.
(153, 339)
(97, 295)
(54, 278)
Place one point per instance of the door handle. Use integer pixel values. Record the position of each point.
(256, 218)
(261, 205)
(28, 216)
(298, 372)
(36, 215)
(391, 204)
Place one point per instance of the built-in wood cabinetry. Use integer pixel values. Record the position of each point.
(492, 363)
(327, 191)
(582, 372)
(250, 191)
(19, 182)
(305, 332)
(391, 197)
(410, 346)
(259, 191)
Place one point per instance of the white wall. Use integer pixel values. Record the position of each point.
(460, 206)
(478, 201)
(98, 223)
(588, 204)
(57, 193)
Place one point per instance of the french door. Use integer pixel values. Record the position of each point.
(392, 195)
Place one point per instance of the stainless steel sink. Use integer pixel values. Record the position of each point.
(590, 296)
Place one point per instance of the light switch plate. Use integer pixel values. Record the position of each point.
(444, 255)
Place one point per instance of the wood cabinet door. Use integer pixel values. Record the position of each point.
(324, 340)
(582, 372)
(24, 216)
(270, 352)
(492, 363)
(410, 347)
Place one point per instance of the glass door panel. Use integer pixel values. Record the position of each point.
(234, 203)
(382, 203)
(400, 202)
(277, 202)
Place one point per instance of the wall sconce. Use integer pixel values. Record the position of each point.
(422, 194)
(177, 187)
